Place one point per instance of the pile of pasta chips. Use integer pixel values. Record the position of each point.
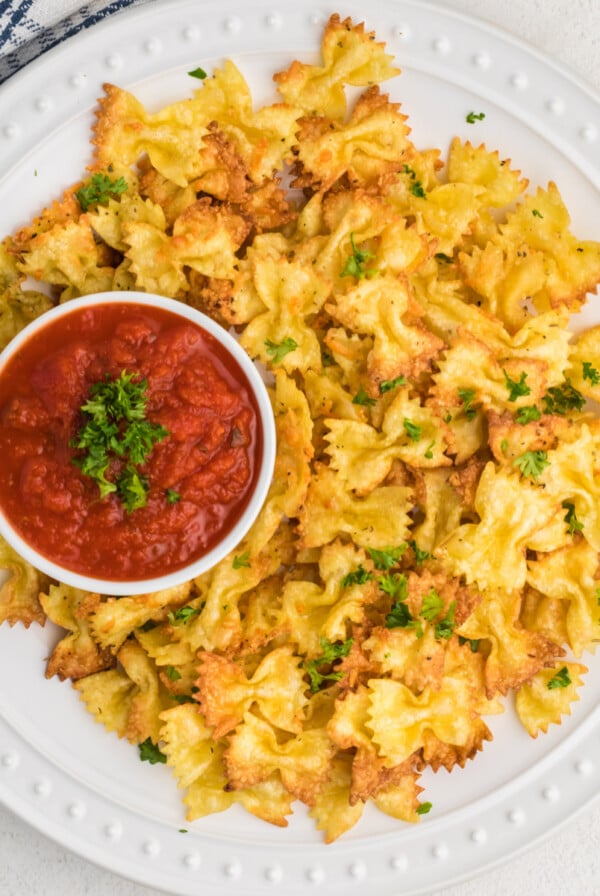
(429, 544)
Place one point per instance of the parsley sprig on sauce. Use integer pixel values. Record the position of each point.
(116, 428)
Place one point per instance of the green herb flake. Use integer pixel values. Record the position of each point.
(183, 615)
(441, 256)
(395, 585)
(241, 560)
(528, 414)
(172, 496)
(536, 213)
(413, 430)
(432, 605)
(574, 525)
(99, 190)
(387, 557)
(424, 808)
(472, 642)
(355, 264)
(472, 117)
(149, 752)
(416, 187)
(361, 398)
(559, 400)
(467, 396)
(420, 556)
(504, 446)
(531, 463)
(516, 388)
(444, 629)
(198, 73)
(358, 576)
(172, 673)
(401, 617)
(330, 653)
(388, 385)
(562, 679)
(429, 452)
(278, 350)
(590, 373)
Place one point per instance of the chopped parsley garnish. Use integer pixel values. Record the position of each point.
(182, 698)
(241, 560)
(355, 263)
(401, 617)
(149, 752)
(528, 414)
(432, 605)
(278, 350)
(395, 584)
(363, 399)
(133, 488)
(445, 627)
(198, 73)
(531, 463)
(173, 497)
(182, 615)
(467, 396)
(173, 674)
(388, 385)
(115, 428)
(330, 653)
(413, 430)
(429, 452)
(516, 388)
(416, 187)
(472, 117)
(472, 642)
(536, 213)
(571, 520)
(99, 190)
(562, 679)
(504, 446)
(561, 399)
(420, 555)
(424, 808)
(358, 576)
(386, 557)
(590, 373)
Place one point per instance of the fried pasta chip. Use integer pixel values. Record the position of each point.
(225, 693)
(254, 755)
(197, 763)
(128, 699)
(543, 701)
(77, 654)
(21, 589)
(350, 56)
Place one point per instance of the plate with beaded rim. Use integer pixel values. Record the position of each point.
(58, 769)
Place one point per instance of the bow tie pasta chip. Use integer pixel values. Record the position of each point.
(430, 541)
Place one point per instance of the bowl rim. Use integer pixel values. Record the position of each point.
(119, 587)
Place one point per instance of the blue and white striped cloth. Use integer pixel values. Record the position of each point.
(30, 27)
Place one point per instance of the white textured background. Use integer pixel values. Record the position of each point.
(568, 862)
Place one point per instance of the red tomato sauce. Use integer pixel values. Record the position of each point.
(210, 458)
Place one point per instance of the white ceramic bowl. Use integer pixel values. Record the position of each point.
(261, 484)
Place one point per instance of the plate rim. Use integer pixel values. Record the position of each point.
(314, 872)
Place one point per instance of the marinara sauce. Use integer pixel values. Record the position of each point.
(209, 460)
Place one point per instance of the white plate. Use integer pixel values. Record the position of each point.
(58, 769)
